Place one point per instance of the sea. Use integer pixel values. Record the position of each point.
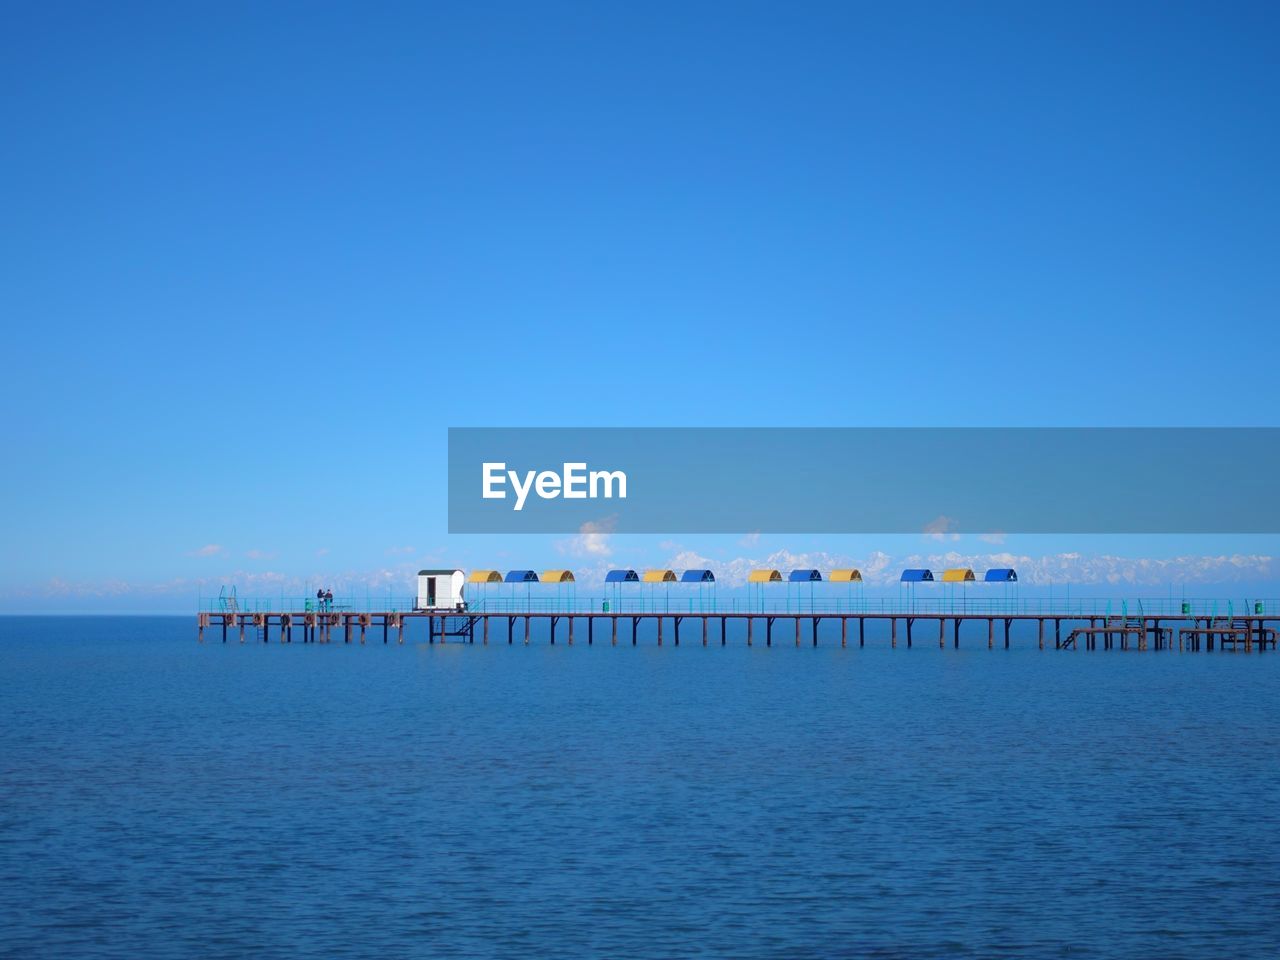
(161, 797)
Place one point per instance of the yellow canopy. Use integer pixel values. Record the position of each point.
(484, 576)
(846, 576)
(958, 575)
(659, 576)
(764, 576)
(557, 576)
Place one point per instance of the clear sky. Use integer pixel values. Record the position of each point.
(258, 257)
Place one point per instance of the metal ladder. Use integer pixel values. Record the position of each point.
(227, 600)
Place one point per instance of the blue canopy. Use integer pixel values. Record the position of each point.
(917, 576)
(1001, 575)
(621, 576)
(521, 576)
(804, 576)
(697, 576)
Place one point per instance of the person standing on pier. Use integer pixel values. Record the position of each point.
(328, 599)
(319, 599)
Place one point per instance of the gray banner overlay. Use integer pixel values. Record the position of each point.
(866, 480)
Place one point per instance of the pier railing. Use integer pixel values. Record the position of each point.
(307, 605)
(1065, 608)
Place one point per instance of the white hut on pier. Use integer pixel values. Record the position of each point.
(440, 589)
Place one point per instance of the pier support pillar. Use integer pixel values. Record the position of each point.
(768, 631)
(1042, 633)
(659, 630)
(526, 630)
(704, 631)
(942, 633)
(571, 630)
(862, 631)
(1006, 632)
(797, 631)
(750, 620)
(486, 631)
(635, 625)
(955, 638)
(815, 630)
(844, 631)
(614, 630)
(893, 631)
(591, 631)
(910, 624)
(722, 630)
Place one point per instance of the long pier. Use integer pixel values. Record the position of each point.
(1061, 630)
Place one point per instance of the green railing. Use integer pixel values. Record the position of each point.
(307, 605)
(886, 606)
(1078, 607)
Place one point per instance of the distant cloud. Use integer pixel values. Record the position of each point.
(749, 539)
(595, 544)
(259, 555)
(592, 540)
(208, 550)
(398, 551)
(995, 539)
(322, 552)
(940, 527)
(399, 581)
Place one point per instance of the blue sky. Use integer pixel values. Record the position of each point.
(258, 258)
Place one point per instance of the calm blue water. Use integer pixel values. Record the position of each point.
(161, 798)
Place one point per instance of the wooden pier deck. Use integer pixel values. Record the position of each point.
(708, 627)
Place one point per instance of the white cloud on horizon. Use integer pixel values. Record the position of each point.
(941, 528)
(880, 570)
(261, 583)
(592, 540)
